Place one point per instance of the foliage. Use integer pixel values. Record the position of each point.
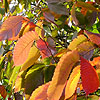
(49, 50)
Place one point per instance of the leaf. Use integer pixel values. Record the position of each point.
(56, 1)
(58, 8)
(94, 37)
(33, 79)
(32, 57)
(86, 49)
(73, 15)
(26, 27)
(62, 71)
(39, 29)
(72, 82)
(77, 41)
(20, 81)
(3, 91)
(91, 18)
(14, 75)
(40, 93)
(22, 47)
(90, 79)
(87, 6)
(49, 17)
(95, 61)
(44, 48)
(48, 73)
(11, 27)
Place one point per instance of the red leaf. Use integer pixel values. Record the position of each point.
(23, 46)
(11, 27)
(3, 91)
(90, 79)
(44, 48)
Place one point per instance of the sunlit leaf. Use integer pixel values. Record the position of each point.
(86, 5)
(27, 27)
(14, 75)
(3, 91)
(33, 79)
(32, 57)
(94, 37)
(11, 27)
(23, 46)
(62, 71)
(90, 79)
(95, 61)
(77, 41)
(40, 93)
(72, 82)
(19, 83)
(39, 29)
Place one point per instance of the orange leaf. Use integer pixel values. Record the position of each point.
(72, 82)
(40, 93)
(3, 91)
(22, 47)
(88, 6)
(95, 61)
(94, 37)
(90, 79)
(11, 27)
(61, 74)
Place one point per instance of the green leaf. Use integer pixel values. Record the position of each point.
(48, 73)
(14, 75)
(33, 79)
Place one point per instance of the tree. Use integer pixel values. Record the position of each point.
(49, 50)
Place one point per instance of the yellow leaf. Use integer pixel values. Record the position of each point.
(39, 29)
(77, 41)
(62, 71)
(32, 57)
(19, 82)
(72, 82)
